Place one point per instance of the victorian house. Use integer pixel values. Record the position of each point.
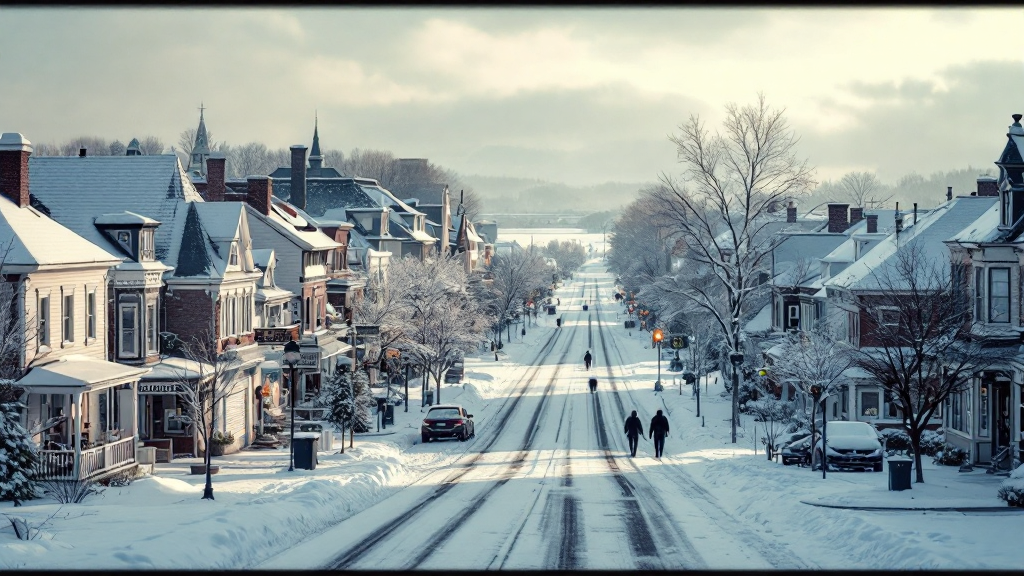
(987, 419)
(186, 271)
(80, 408)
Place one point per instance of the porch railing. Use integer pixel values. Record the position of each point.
(59, 464)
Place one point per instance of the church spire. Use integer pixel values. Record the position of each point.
(201, 148)
(315, 158)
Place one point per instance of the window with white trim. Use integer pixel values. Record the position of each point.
(128, 329)
(152, 340)
(869, 404)
(146, 238)
(956, 418)
(233, 255)
(792, 316)
(90, 314)
(979, 294)
(853, 327)
(999, 295)
(43, 321)
(68, 318)
(889, 317)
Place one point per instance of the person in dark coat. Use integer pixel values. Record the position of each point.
(634, 429)
(587, 358)
(593, 385)
(658, 432)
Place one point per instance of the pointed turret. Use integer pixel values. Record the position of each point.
(316, 159)
(201, 148)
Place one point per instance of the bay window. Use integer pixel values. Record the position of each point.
(999, 295)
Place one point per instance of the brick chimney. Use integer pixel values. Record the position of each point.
(856, 215)
(298, 197)
(81, 152)
(872, 223)
(791, 212)
(260, 189)
(949, 193)
(837, 218)
(215, 177)
(987, 186)
(14, 152)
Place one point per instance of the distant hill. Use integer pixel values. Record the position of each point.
(506, 195)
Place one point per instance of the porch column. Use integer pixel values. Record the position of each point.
(135, 411)
(76, 410)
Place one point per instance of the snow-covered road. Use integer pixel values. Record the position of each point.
(548, 482)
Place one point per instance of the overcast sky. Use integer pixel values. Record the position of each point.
(577, 95)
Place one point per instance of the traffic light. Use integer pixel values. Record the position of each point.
(657, 335)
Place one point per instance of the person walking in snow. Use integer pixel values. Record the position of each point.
(587, 358)
(658, 431)
(634, 430)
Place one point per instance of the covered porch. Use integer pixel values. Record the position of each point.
(82, 412)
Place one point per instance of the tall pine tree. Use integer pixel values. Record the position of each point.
(17, 457)
(363, 421)
(341, 402)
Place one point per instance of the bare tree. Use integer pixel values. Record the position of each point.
(15, 331)
(150, 145)
(386, 301)
(814, 361)
(720, 209)
(334, 158)
(924, 350)
(204, 386)
(117, 148)
(377, 164)
(859, 188)
(249, 159)
(516, 275)
(187, 141)
(635, 243)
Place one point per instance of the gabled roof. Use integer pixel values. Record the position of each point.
(286, 221)
(984, 229)
(74, 191)
(40, 241)
(792, 249)
(927, 235)
(323, 194)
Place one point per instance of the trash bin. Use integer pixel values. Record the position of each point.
(899, 474)
(585, 307)
(551, 310)
(306, 446)
(389, 415)
(430, 397)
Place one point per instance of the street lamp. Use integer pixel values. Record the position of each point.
(291, 358)
(657, 336)
(736, 358)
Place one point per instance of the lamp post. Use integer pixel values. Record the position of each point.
(736, 358)
(658, 336)
(405, 362)
(291, 358)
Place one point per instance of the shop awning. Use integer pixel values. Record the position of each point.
(76, 373)
(331, 348)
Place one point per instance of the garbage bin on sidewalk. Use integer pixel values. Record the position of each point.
(389, 415)
(306, 446)
(899, 474)
(430, 397)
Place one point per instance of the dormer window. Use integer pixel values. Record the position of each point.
(124, 238)
(233, 255)
(147, 251)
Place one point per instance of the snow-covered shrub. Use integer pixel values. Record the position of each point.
(896, 440)
(932, 442)
(18, 458)
(1012, 489)
(950, 456)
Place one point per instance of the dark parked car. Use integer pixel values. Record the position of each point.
(447, 421)
(850, 445)
(455, 374)
(797, 451)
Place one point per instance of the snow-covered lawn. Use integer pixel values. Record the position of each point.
(261, 509)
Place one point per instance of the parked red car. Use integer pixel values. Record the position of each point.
(447, 421)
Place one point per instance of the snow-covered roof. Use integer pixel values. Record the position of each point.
(75, 372)
(984, 229)
(125, 218)
(927, 236)
(174, 369)
(284, 219)
(74, 191)
(39, 241)
(761, 321)
(793, 249)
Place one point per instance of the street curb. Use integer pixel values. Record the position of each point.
(924, 509)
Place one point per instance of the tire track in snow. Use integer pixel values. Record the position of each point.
(771, 552)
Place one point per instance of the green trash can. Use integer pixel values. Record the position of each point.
(899, 474)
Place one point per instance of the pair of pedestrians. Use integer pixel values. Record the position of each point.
(658, 430)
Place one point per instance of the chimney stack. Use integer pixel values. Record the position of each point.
(260, 190)
(856, 215)
(215, 177)
(81, 152)
(791, 212)
(837, 218)
(872, 223)
(14, 152)
(987, 186)
(949, 193)
(298, 195)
